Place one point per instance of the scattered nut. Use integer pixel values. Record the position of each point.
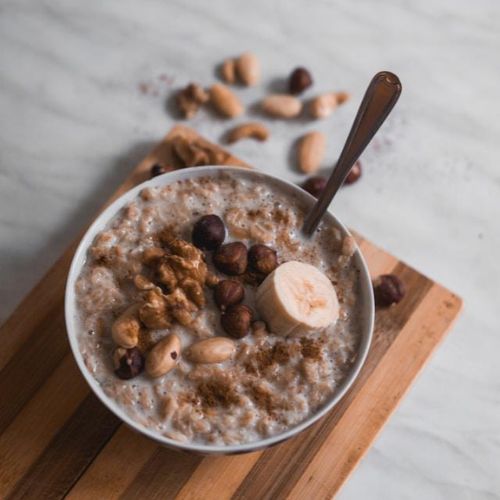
(224, 101)
(354, 174)
(128, 363)
(342, 97)
(311, 151)
(281, 106)
(253, 130)
(163, 356)
(300, 79)
(262, 259)
(248, 69)
(209, 232)
(228, 71)
(323, 105)
(231, 258)
(228, 293)
(125, 329)
(314, 185)
(190, 98)
(388, 289)
(212, 350)
(236, 320)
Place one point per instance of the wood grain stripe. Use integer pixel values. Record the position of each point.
(274, 474)
(217, 478)
(38, 306)
(32, 365)
(70, 452)
(328, 470)
(163, 475)
(120, 461)
(25, 439)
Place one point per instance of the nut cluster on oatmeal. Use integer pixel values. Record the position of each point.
(206, 317)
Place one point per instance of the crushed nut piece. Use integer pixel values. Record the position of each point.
(190, 98)
(153, 312)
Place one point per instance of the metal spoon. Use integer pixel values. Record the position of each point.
(378, 101)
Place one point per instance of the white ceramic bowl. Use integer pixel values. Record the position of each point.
(163, 180)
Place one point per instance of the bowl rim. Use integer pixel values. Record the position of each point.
(79, 259)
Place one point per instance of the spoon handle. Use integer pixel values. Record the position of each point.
(378, 101)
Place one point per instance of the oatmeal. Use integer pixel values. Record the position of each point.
(206, 316)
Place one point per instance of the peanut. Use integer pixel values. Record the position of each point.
(248, 69)
(224, 101)
(163, 356)
(311, 151)
(251, 130)
(126, 328)
(212, 350)
(282, 106)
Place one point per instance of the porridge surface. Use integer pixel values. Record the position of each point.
(272, 382)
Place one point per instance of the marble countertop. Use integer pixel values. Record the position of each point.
(83, 87)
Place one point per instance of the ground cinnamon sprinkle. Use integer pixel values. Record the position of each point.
(263, 398)
(267, 356)
(216, 392)
(310, 348)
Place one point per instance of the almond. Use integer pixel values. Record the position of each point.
(224, 101)
(163, 356)
(212, 350)
(282, 106)
(248, 69)
(228, 71)
(311, 151)
(251, 130)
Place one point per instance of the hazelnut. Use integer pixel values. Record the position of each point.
(262, 259)
(231, 258)
(354, 174)
(388, 289)
(209, 232)
(228, 293)
(300, 79)
(236, 320)
(158, 169)
(128, 363)
(314, 185)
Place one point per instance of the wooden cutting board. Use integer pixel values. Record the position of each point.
(57, 439)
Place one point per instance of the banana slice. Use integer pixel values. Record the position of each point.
(297, 298)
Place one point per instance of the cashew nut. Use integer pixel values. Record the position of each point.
(253, 130)
(212, 350)
(163, 356)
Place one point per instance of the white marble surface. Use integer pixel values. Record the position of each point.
(74, 122)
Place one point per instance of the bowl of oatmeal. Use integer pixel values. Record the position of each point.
(200, 316)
